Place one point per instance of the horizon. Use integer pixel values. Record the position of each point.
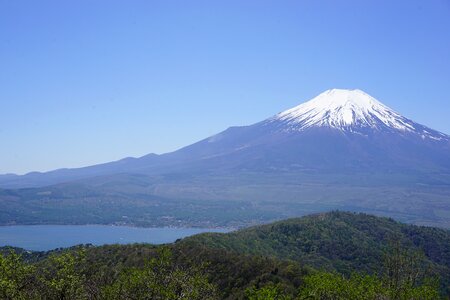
(89, 83)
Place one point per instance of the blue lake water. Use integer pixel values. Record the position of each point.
(47, 237)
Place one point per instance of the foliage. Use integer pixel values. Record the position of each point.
(161, 279)
(406, 276)
(324, 286)
(265, 262)
(63, 277)
(269, 292)
(15, 277)
(403, 278)
(68, 275)
(337, 242)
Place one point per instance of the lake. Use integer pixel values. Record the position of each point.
(47, 237)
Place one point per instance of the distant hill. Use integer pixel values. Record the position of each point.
(339, 241)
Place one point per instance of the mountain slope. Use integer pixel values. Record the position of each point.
(282, 253)
(340, 150)
(338, 241)
(337, 125)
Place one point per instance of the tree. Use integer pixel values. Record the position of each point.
(403, 279)
(161, 279)
(62, 276)
(405, 274)
(269, 292)
(16, 277)
(334, 286)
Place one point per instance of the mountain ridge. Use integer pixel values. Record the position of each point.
(328, 110)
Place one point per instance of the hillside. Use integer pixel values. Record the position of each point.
(285, 254)
(339, 241)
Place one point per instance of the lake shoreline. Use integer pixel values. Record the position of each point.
(122, 225)
(48, 237)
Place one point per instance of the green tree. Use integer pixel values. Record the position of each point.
(328, 286)
(62, 276)
(269, 292)
(405, 274)
(404, 278)
(16, 277)
(161, 279)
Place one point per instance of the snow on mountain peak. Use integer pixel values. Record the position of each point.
(344, 109)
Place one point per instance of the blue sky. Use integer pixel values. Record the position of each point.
(85, 82)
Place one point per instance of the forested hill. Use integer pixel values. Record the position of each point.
(339, 241)
(284, 259)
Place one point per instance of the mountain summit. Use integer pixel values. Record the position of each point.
(350, 110)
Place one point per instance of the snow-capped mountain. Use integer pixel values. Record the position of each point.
(350, 110)
(341, 150)
(339, 131)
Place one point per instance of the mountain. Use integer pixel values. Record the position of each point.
(339, 127)
(343, 149)
(339, 241)
(336, 241)
(340, 130)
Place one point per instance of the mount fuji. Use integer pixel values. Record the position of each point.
(340, 150)
(350, 110)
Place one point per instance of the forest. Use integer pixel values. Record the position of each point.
(316, 257)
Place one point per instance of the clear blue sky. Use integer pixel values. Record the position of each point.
(85, 82)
